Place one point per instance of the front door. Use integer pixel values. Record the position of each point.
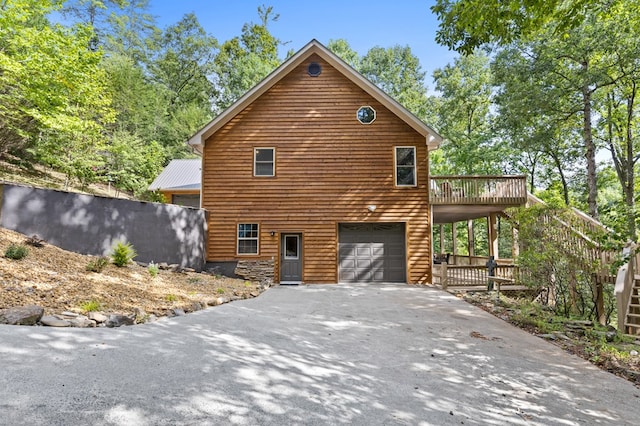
(291, 259)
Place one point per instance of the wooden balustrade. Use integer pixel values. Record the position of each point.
(478, 190)
(627, 292)
(450, 276)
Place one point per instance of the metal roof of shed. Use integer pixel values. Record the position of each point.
(179, 174)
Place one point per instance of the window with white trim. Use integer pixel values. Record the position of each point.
(264, 161)
(405, 166)
(248, 238)
(366, 115)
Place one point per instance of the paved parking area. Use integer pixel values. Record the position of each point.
(331, 354)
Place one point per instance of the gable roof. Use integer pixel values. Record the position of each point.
(433, 139)
(179, 174)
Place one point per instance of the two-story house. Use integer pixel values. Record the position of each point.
(320, 176)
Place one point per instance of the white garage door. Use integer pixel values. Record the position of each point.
(371, 252)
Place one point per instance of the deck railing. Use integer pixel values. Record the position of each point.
(627, 291)
(452, 276)
(579, 233)
(478, 190)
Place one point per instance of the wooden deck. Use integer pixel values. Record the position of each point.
(461, 198)
(478, 190)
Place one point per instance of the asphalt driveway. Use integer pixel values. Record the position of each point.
(339, 354)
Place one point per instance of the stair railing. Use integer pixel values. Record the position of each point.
(624, 283)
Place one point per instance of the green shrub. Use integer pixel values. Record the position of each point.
(122, 254)
(90, 306)
(220, 290)
(153, 269)
(171, 297)
(98, 264)
(16, 252)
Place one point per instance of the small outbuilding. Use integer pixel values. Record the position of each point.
(180, 182)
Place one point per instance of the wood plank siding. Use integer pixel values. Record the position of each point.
(328, 169)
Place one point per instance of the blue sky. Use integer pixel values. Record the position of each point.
(364, 24)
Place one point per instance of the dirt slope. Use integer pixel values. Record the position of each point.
(58, 281)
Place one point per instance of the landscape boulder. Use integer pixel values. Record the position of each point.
(23, 315)
(116, 320)
(53, 321)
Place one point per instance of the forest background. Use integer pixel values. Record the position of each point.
(546, 88)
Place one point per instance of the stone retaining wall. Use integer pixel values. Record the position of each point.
(256, 270)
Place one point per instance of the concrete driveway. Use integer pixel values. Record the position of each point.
(340, 354)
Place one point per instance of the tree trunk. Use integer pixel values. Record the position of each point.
(590, 154)
(630, 178)
(563, 178)
(620, 143)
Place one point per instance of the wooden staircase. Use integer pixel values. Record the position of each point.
(627, 292)
(632, 320)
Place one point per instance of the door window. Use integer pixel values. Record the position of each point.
(291, 247)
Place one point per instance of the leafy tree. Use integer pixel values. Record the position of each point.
(568, 79)
(464, 117)
(93, 13)
(245, 60)
(617, 109)
(396, 70)
(137, 101)
(466, 25)
(129, 30)
(534, 121)
(342, 48)
(132, 163)
(180, 69)
(554, 257)
(578, 65)
(51, 87)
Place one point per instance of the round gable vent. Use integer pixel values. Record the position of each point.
(314, 69)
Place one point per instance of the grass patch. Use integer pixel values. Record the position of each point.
(91, 306)
(98, 264)
(16, 252)
(153, 269)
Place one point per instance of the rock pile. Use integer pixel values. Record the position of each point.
(34, 315)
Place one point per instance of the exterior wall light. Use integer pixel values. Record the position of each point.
(372, 208)
(272, 233)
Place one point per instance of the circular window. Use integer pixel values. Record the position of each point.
(314, 69)
(366, 115)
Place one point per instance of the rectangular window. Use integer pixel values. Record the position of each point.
(248, 238)
(291, 246)
(264, 161)
(405, 166)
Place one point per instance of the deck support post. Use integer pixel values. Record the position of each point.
(442, 251)
(493, 236)
(470, 237)
(454, 239)
(443, 275)
(515, 244)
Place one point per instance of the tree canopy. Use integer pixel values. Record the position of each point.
(565, 77)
